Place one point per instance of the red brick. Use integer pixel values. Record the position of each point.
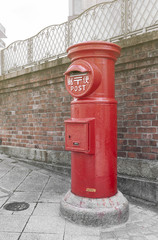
(148, 89)
(132, 154)
(146, 116)
(132, 142)
(146, 123)
(132, 123)
(132, 148)
(146, 143)
(155, 110)
(146, 156)
(146, 110)
(132, 98)
(154, 81)
(131, 130)
(147, 130)
(146, 96)
(155, 136)
(122, 130)
(121, 154)
(155, 95)
(131, 117)
(147, 136)
(154, 150)
(146, 149)
(151, 156)
(122, 142)
(155, 123)
(132, 136)
(131, 91)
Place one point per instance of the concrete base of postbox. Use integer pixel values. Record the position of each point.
(95, 212)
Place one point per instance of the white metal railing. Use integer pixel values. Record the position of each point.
(110, 21)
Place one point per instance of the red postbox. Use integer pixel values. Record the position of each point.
(91, 136)
(91, 133)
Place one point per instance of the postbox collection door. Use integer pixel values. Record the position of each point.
(79, 135)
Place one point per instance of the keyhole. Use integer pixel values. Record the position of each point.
(69, 136)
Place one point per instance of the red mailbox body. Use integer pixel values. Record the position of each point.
(91, 133)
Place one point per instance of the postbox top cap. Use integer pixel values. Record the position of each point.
(94, 49)
(98, 42)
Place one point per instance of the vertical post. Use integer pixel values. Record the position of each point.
(1, 62)
(66, 35)
(30, 51)
(69, 38)
(123, 28)
(126, 16)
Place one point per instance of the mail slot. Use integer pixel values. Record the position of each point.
(82, 78)
(79, 135)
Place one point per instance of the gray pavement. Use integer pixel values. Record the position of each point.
(43, 190)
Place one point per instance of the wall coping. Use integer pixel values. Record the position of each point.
(138, 39)
(36, 68)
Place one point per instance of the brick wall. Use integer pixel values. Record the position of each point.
(137, 95)
(34, 104)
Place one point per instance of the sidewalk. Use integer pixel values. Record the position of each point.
(43, 190)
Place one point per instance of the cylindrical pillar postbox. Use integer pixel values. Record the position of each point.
(91, 132)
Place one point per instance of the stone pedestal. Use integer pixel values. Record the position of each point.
(95, 212)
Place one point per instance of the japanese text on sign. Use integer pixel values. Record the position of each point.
(78, 83)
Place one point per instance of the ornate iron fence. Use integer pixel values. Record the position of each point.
(110, 21)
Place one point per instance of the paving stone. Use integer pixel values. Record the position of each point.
(47, 209)
(9, 236)
(134, 230)
(2, 156)
(34, 236)
(135, 217)
(45, 224)
(151, 237)
(2, 201)
(4, 169)
(34, 182)
(57, 185)
(154, 228)
(146, 224)
(30, 197)
(107, 235)
(144, 229)
(123, 238)
(5, 212)
(13, 178)
(82, 237)
(51, 196)
(12, 223)
(5, 158)
(74, 229)
(104, 238)
(138, 238)
(5, 193)
(120, 233)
